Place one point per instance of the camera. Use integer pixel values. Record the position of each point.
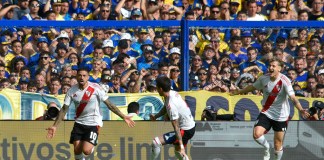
(209, 114)
(51, 113)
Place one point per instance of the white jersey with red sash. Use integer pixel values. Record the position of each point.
(178, 109)
(275, 96)
(87, 103)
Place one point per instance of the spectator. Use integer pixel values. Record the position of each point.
(95, 73)
(311, 86)
(214, 12)
(4, 83)
(302, 74)
(108, 48)
(116, 86)
(235, 53)
(283, 14)
(224, 11)
(302, 36)
(282, 4)
(24, 72)
(252, 62)
(174, 57)
(241, 16)
(252, 12)
(43, 64)
(246, 37)
(266, 52)
(65, 88)
(320, 76)
(14, 79)
(291, 48)
(23, 84)
(74, 62)
(55, 87)
(41, 84)
(174, 76)
(208, 56)
(16, 64)
(316, 12)
(143, 38)
(261, 37)
(78, 44)
(149, 59)
(319, 91)
(302, 51)
(84, 7)
(66, 70)
(31, 47)
(7, 12)
(279, 54)
(314, 44)
(65, 80)
(159, 50)
(311, 61)
(303, 15)
(234, 8)
(33, 11)
(32, 87)
(124, 8)
(98, 53)
(21, 10)
(65, 10)
(17, 51)
(105, 79)
(206, 11)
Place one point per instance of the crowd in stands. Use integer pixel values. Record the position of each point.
(128, 60)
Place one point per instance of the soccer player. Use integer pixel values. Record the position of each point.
(276, 89)
(180, 117)
(86, 97)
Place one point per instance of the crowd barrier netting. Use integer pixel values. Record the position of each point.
(28, 106)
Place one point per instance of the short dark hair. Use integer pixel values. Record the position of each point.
(163, 82)
(132, 107)
(83, 69)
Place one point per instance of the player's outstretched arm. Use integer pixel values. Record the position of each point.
(51, 130)
(304, 112)
(247, 89)
(162, 111)
(113, 108)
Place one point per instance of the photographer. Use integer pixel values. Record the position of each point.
(209, 114)
(50, 113)
(317, 111)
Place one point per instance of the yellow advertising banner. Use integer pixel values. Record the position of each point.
(29, 106)
(21, 140)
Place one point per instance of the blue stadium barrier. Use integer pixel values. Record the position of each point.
(184, 24)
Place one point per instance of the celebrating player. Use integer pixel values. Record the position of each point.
(86, 97)
(276, 89)
(181, 119)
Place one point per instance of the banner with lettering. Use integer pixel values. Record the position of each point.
(28, 106)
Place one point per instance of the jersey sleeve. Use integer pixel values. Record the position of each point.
(288, 88)
(101, 93)
(68, 98)
(258, 83)
(172, 112)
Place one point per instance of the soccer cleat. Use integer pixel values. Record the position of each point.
(266, 154)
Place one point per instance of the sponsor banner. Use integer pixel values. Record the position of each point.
(27, 140)
(29, 106)
(212, 140)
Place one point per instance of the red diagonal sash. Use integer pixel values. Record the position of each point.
(84, 101)
(272, 96)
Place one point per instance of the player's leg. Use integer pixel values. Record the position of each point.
(186, 136)
(278, 143)
(90, 139)
(78, 150)
(75, 139)
(156, 145)
(279, 134)
(261, 127)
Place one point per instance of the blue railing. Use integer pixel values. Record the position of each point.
(184, 25)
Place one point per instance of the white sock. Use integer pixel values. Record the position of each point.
(278, 154)
(263, 142)
(79, 156)
(156, 148)
(180, 157)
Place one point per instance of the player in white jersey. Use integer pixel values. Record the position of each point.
(86, 96)
(180, 116)
(276, 89)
